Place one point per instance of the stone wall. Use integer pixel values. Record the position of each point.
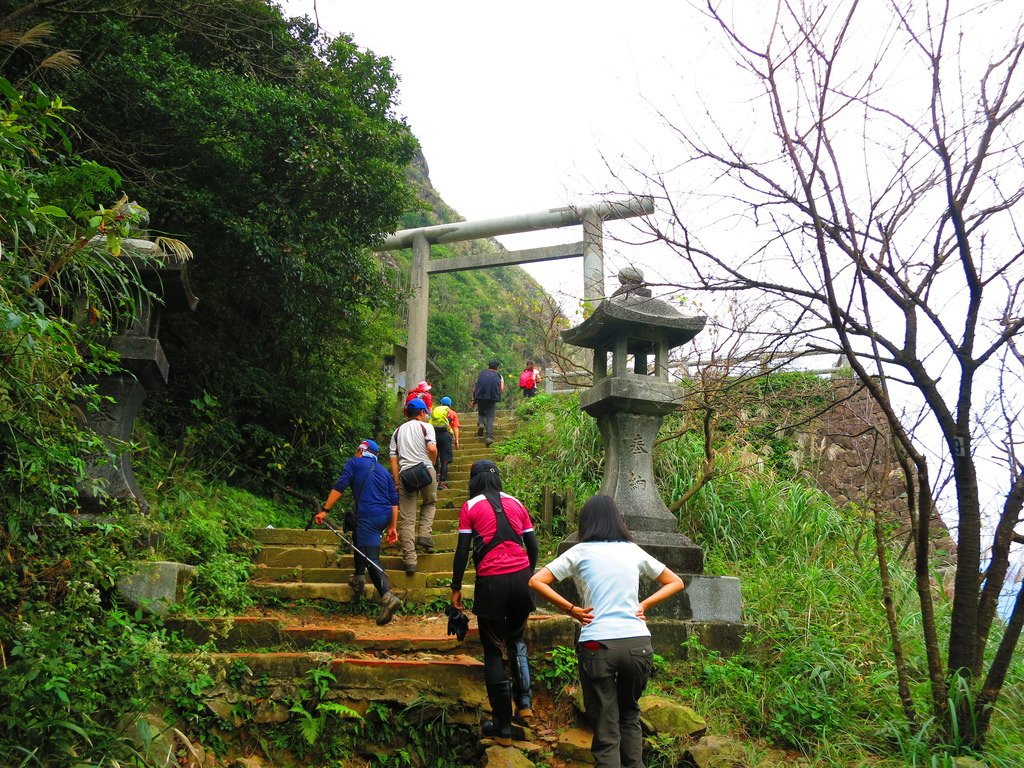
(851, 458)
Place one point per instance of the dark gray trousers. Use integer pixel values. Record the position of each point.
(485, 416)
(613, 679)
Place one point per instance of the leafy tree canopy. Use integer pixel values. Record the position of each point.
(276, 154)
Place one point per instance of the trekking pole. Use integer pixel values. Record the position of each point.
(348, 541)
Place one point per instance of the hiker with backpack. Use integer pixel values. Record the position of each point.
(422, 391)
(498, 528)
(486, 396)
(375, 511)
(445, 422)
(529, 379)
(413, 451)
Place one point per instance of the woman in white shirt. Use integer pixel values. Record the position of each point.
(614, 647)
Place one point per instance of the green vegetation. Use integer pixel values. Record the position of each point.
(555, 444)
(264, 394)
(816, 674)
(275, 154)
(75, 663)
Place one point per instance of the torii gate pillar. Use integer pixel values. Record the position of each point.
(421, 238)
(593, 261)
(419, 311)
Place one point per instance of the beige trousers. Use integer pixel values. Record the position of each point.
(420, 504)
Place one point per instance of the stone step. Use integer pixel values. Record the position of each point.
(358, 680)
(468, 453)
(355, 632)
(327, 557)
(295, 538)
(406, 587)
(405, 634)
(431, 571)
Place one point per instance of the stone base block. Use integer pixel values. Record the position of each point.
(156, 586)
(669, 636)
(675, 550)
(706, 598)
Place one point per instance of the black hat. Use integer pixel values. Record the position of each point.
(481, 466)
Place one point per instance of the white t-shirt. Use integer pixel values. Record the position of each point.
(607, 575)
(409, 443)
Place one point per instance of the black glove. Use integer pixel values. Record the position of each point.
(458, 622)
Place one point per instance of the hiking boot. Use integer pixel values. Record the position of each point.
(358, 584)
(389, 603)
(488, 441)
(480, 430)
(500, 732)
(410, 569)
(499, 726)
(425, 544)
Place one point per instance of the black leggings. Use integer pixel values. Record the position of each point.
(502, 605)
(499, 638)
(371, 562)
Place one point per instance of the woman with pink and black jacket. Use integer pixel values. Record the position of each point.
(498, 528)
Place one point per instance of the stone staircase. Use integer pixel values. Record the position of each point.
(307, 565)
(302, 574)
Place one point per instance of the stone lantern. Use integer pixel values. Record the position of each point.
(145, 366)
(630, 398)
(630, 403)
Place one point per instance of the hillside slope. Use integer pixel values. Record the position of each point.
(476, 315)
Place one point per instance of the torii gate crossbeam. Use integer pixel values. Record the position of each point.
(421, 238)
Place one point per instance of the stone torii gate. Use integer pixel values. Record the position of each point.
(591, 248)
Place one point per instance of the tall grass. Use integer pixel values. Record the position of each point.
(554, 444)
(816, 672)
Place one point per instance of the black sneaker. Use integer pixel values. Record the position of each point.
(480, 431)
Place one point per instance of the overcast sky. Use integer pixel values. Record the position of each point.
(517, 105)
(520, 107)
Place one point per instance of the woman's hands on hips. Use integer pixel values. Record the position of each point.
(582, 615)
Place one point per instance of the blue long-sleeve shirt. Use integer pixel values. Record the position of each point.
(371, 484)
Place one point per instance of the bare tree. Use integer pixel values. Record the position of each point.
(881, 196)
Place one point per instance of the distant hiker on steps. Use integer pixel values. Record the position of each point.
(445, 422)
(413, 451)
(376, 510)
(486, 395)
(529, 379)
(422, 391)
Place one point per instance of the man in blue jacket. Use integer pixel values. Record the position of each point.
(376, 505)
